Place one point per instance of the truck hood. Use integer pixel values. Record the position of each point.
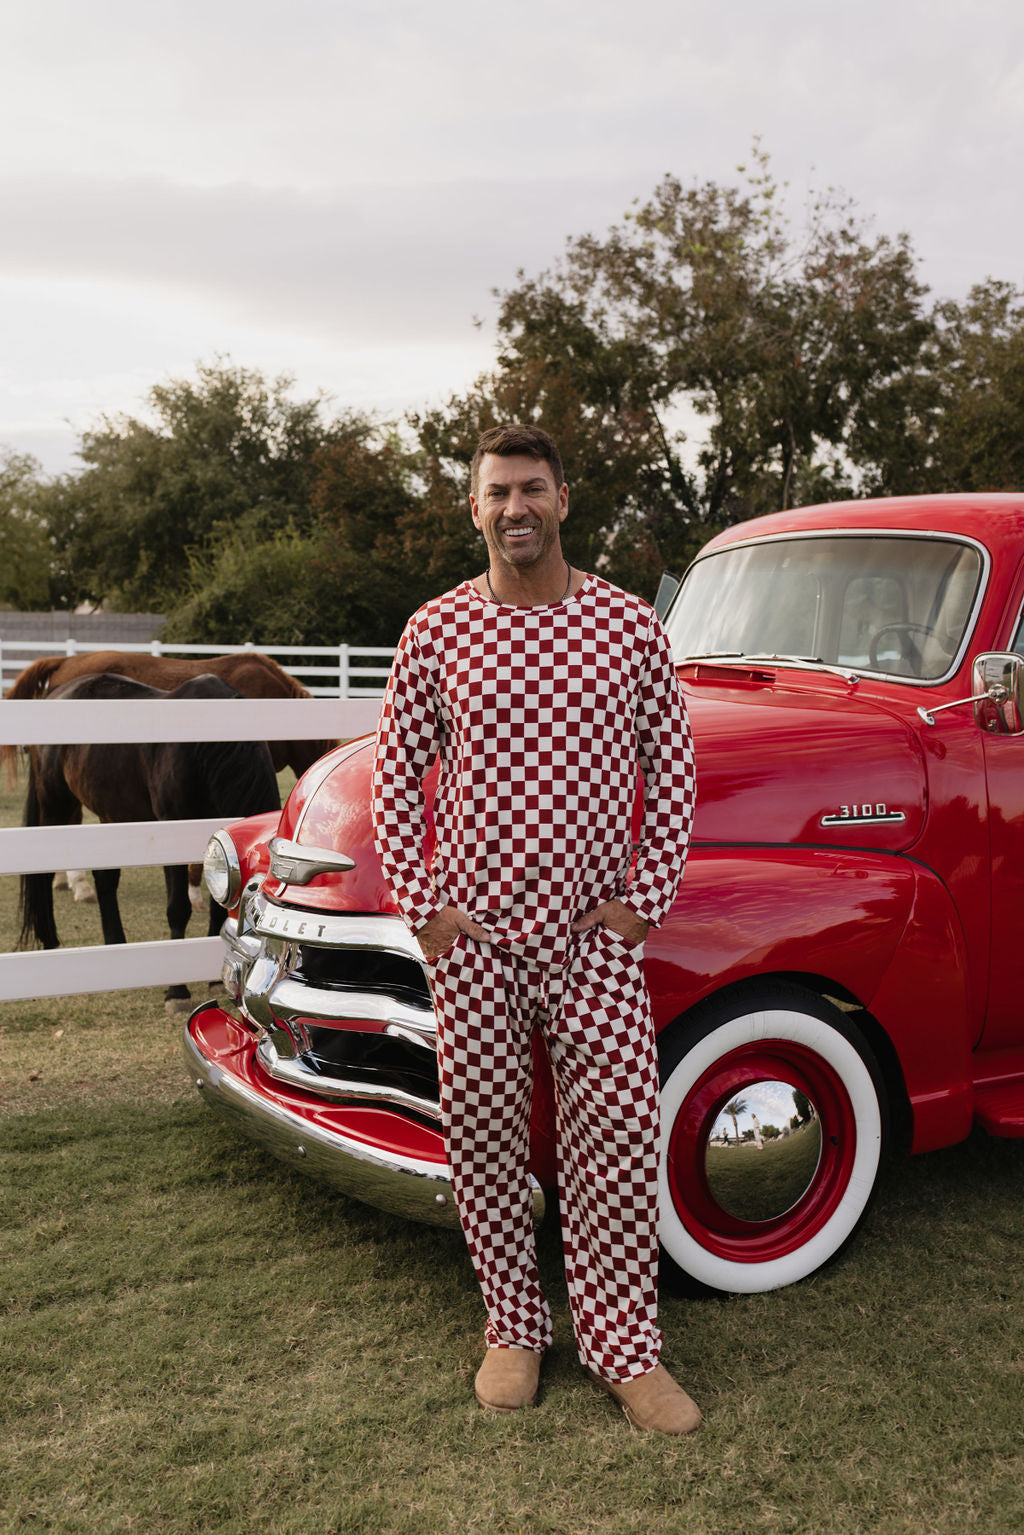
(775, 765)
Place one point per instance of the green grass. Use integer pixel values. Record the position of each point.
(756, 1185)
(195, 1338)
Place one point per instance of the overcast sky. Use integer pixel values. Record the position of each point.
(333, 189)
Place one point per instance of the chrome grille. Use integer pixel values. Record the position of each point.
(341, 1004)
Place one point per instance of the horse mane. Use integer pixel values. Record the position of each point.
(290, 687)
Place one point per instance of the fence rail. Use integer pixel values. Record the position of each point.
(327, 671)
(27, 850)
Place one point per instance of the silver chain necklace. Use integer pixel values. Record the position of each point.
(490, 588)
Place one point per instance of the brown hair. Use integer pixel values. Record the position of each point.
(506, 441)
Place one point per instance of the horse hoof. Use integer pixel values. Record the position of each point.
(82, 887)
(174, 1005)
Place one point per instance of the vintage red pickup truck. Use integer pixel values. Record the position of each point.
(840, 972)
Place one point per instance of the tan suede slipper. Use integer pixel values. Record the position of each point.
(508, 1379)
(653, 1402)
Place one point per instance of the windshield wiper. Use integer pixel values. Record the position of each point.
(779, 660)
(764, 655)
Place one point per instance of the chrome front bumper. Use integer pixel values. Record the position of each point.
(403, 1185)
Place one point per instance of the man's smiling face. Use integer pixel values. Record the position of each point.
(518, 509)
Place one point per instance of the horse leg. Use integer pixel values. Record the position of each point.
(48, 802)
(177, 999)
(78, 882)
(107, 881)
(81, 887)
(195, 889)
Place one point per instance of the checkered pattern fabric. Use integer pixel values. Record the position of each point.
(595, 1019)
(541, 717)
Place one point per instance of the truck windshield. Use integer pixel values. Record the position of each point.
(896, 604)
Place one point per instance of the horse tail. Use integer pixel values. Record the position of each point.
(33, 682)
(35, 906)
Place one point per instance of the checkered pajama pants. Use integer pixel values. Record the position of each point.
(595, 1018)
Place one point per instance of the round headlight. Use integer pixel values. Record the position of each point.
(221, 869)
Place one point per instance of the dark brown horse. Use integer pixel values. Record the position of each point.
(150, 782)
(249, 673)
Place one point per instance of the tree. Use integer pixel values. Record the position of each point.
(352, 573)
(561, 369)
(25, 570)
(228, 450)
(957, 422)
(374, 548)
(705, 297)
(254, 589)
(734, 1109)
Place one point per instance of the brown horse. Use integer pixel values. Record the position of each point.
(173, 781)
(250, 673)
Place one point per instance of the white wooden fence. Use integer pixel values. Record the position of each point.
(28, 850)
(326, 671)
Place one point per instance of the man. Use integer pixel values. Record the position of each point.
(543, 689)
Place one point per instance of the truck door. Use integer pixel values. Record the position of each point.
(1004, 772)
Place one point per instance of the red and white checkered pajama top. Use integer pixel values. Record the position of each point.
(541, 716)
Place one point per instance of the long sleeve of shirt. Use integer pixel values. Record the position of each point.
(408, 738)
(665, 754)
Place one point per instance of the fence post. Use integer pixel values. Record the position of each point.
(155, 648)
(342, 671)
(70, 647)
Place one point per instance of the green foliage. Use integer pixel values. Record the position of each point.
(373, 533)
(957, 422)
(25, 569)
(351, 572)
(251, 587)
(228, 449)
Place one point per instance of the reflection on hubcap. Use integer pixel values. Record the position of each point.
(757, 1163)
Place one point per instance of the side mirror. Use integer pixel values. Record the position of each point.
(667, 588)
(999, 680)
(998, 697)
